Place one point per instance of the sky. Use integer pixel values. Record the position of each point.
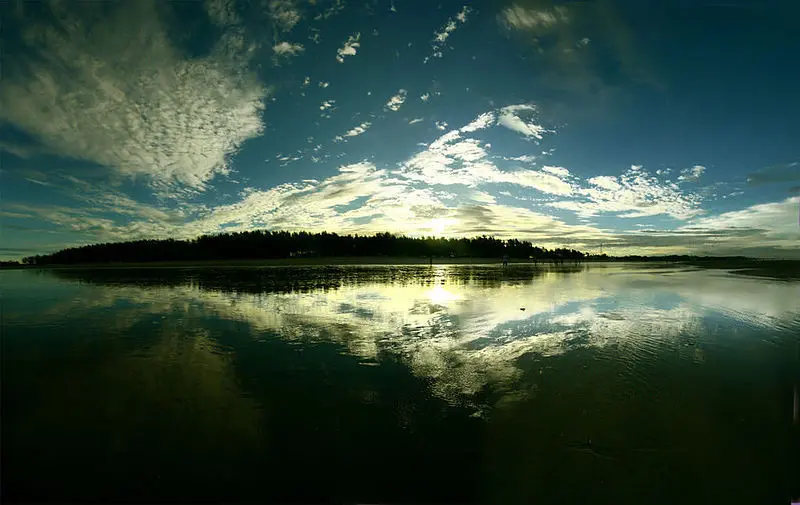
(624, 127)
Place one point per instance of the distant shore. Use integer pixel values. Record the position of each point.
(281, 262)
(771, 268)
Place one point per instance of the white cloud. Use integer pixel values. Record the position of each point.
(510, 117)
(415, 120)
(766, 229)
(732, 194)
(37, 181)
(138, 108)
(323, 84)
(526, 158)
(425, 97)
(634, 194)
(284, 14)
(446, 30)
(327, 104)
(777, 218)
(452, 160)
(397, 100)
(317, 206)
(349, 48)
(287, 49)
(542, 181)
(691, 174)
(336, 7)
(520, 18)
(557, 171)
(483, 121)
(393, 202)
(357, 130)
(441, 125)
(608, 182)
(441, 36)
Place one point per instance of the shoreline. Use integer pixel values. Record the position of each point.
(283, 262)
(783, 269)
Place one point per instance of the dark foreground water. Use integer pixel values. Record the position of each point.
(615, 384)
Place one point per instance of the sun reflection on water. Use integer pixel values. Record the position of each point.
(464, 331)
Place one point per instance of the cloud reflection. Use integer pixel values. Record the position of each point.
(464, 328)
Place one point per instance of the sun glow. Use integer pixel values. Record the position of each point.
(439, 225)
(439, 294)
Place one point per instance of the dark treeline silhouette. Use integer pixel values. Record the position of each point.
(303, 278)
(281, 244)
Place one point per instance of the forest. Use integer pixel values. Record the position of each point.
(281, 244)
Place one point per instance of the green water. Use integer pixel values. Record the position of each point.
(399, 384)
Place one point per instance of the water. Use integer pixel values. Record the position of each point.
(399, 384)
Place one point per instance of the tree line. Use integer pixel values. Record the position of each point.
(261, 244)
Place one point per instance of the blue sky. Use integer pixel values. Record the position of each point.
(636, 127)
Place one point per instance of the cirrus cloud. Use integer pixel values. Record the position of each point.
(140, 109)
(633, 194)
(521, 18)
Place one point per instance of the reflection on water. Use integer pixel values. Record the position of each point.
(472, 383)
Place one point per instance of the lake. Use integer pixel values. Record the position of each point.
(599, 383)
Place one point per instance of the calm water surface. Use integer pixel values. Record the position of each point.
(599, 384)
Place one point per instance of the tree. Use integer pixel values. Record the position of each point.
(264, 244)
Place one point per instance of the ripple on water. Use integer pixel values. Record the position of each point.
(641, 362)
